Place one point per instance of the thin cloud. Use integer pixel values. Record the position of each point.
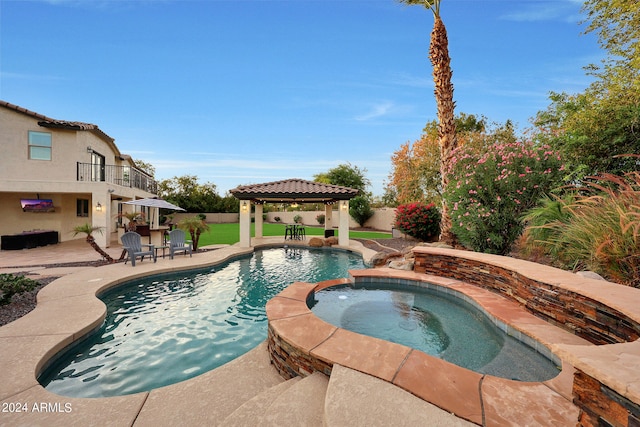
(376, 111)
(564, 11)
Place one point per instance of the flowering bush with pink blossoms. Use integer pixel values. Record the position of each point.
(488, 192)
(418, 220)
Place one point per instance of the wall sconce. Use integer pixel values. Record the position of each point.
(344, 206)
(98, 207)
(244, 206)
(89, 149)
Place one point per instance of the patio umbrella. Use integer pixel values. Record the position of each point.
(154, 203)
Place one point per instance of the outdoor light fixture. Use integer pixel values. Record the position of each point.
(244, 206)
(89, 149)
(294, 205)
(344, 206)
(98, 207)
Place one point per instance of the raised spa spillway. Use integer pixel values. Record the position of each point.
(437, 323)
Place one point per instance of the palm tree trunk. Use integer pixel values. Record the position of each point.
(98, 249)
(439, 56)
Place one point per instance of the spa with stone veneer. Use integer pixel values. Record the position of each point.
(592, 326)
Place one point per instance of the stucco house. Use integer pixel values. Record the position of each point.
(57, 174)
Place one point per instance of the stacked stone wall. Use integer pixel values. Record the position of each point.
(581, 315)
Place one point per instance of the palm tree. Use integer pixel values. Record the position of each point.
(439, 56)
(134, 219)
(195, 226)
(88, 229)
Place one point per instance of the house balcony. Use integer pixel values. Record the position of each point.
(125, 176)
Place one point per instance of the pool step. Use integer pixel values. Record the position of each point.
(296, 402)
(357, 399)
(348, 398)
(211, 397)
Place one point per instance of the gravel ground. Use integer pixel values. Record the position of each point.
(22, 303)
(25, 302)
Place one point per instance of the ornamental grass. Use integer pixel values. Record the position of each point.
(596, 228)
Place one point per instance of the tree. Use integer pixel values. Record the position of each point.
(360, 210)
(415, 176)
(439, 56)
(592, 133)
(88, 229)
(595, 129)
(144, 166)
(617, 24)
(345, 175)
(195, 226)
(186, 192)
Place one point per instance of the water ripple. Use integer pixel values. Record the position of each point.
(166, 329)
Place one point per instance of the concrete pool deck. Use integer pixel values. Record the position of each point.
(67, 310)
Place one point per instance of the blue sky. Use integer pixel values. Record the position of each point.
(240, 91)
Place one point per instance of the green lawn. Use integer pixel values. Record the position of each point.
(230, 233)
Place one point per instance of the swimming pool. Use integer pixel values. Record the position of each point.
(168, 328)
(435, 322)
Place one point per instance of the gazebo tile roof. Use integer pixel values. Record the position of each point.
(294, 188)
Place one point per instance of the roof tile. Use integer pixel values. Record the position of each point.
(294, 188)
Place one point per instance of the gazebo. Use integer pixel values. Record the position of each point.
(293, 191)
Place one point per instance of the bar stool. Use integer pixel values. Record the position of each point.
(300, 233)
(289, 230)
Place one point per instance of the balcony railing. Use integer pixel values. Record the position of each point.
(125, 176)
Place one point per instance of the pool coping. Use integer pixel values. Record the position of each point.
(301, 343)
(67, 310)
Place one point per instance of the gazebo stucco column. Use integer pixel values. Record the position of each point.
(258, 219)
(343, 227)
(328, 210)
(245, 223)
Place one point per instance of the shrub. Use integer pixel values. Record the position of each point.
(11, 285)
(277, 219)
(599, 230)
(297, 219)
(488, 192)
(320, 218)
(360, 210)
(418, 220)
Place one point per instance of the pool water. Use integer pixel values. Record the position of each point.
(168, 328)
(436, 323)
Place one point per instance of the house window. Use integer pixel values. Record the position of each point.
(82, 207)
(39, 145)
(97, 167)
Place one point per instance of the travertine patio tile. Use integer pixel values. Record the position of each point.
(282, 308)
(372, 356)
(615, 365)
(563, 383)
(297, 291)
(446, 385)
(303, 332)
(515, 403)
